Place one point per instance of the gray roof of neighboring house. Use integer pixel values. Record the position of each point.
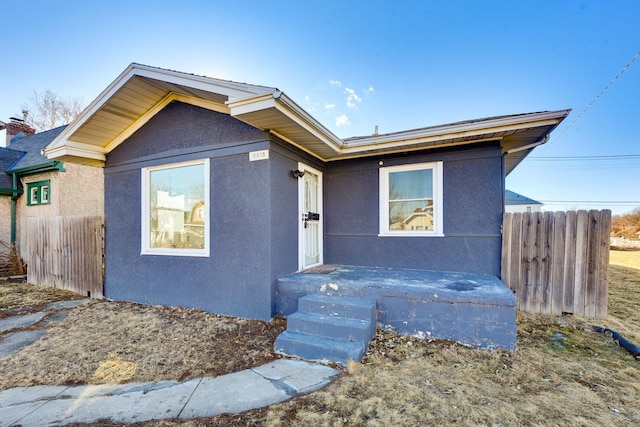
(8, 157)
(513, 198)
(32, 147)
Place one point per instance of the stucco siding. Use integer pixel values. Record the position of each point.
(472, 209)
(81, 190)
(5, 219)
(236, 278)
(285, 218)
(180, 127)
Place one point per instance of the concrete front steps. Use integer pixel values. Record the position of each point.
(329, 329)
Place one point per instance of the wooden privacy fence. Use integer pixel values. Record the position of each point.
(66, 252)
(557, 262)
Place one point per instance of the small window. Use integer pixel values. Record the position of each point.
(38, 193)
(411, 200)
(175, 209)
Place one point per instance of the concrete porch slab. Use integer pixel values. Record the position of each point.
(473, 309)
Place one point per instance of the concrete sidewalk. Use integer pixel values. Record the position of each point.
(12, 342)
(135, 402)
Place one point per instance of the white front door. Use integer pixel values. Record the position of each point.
(310, 217)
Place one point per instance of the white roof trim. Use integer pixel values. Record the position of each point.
(258, 105)
(77, 149)
(230, 89)
(289, 108)
(462, 129)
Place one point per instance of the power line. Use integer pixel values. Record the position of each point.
(572, 158)
(593, 101)
(599, 202)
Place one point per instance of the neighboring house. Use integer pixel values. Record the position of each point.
(420, 219)
(273, 192)
(33, 186)
(514, 202)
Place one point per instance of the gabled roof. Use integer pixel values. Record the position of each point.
(33, 161)
(513, 198)
(141, 91)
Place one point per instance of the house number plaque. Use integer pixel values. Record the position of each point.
(258, 155)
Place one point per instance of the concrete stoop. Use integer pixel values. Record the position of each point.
(329, 329)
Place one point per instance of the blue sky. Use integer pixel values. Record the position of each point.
(356, 65)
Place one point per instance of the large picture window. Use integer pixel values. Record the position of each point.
(411, 200)
(175, 209)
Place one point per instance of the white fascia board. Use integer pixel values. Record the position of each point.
(251, 104)
(92, 108)
(438, 133)
(401, 148)
(229, 89)
(76, 149)
(290, 109)
(207, 84)
(293, 110)
(299, 146)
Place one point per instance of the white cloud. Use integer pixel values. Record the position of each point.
(352, 98)
(335, 83)
(328, 106)
(371, 89)
(342, 120)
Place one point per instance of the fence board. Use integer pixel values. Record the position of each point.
(602, 284)
(571, 220)
(530, 266)
(557, 262)
(516, 255)
(507, 232)
(66, 253)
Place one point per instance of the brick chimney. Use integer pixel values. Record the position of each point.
(15, 126)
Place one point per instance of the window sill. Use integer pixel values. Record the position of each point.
(200, 254)
(409, 234)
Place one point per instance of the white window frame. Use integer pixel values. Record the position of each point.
(437, 201)
(146, 249)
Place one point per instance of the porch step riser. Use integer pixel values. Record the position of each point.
(311, 347)
(331, 326)
(344, 307)
(331, 329)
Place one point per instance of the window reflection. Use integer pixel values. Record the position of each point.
(411, 200)
(177, 207)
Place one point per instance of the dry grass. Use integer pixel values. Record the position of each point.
(563, 373)
(114, 342)
(19, 298)
(625, 258)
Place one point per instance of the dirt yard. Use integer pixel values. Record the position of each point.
(563, 372)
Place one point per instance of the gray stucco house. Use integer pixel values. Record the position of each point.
(217, 194)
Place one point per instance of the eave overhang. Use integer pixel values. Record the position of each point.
(52, 166)
(140, 92)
